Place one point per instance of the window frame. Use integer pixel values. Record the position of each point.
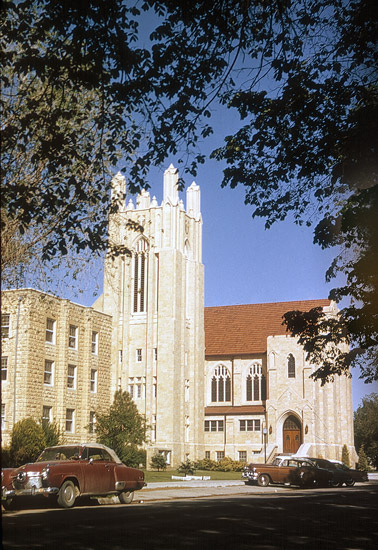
(50, 332)
(5, 326)
(49, 373)
(71, 378)
(48, 417)
(73, 338)
(93, 381)
(94, 342)
(70, 421)
(4, 369)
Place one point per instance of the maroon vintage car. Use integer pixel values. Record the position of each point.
(66, 472)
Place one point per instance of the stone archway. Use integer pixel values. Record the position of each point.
(291, 435)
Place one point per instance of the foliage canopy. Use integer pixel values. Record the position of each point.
(122, 429)
(27, 441)
(84, 84)
(366, 428)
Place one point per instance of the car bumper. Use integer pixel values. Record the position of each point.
(33, 491)
(250, 476)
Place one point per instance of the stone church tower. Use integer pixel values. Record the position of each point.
(156, 299)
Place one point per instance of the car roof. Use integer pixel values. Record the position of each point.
(88, 444)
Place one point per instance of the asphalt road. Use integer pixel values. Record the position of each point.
(233, 517)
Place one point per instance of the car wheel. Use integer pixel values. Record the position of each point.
(126, 497)
(350, 482)
(335, 483)
(263, 480)
(67, 495)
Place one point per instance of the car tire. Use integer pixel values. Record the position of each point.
(263, 480)
(126, 497)
(350, 482)
(67, 495)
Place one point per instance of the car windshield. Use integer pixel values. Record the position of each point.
(59, 453)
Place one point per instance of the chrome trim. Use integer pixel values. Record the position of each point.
(10, 493)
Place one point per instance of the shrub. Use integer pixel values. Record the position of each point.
(133, 456)
(186, 467)
(27, 441)
(227, 464)
(158, 462)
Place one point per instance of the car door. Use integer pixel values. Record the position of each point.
(97, 472)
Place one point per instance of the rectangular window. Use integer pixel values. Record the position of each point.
(139, 355)
(243, 456)
(120, 356)
(50, 331)
(46, 414)
(70, 419)
(94, 342)
(207, 455)
(2, 416)
(219, 455)
(93, 383)
(5, 325)
(71, 377)
(139, 391)
(154, 388)
(155, 354)
(4, 368)
(131, 390)
(214, 426)
(72, 337)
(249, 425)
(48, 375)
(92, 421)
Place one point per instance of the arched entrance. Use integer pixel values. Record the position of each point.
(291, 435)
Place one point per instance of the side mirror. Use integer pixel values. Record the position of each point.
(91, 461)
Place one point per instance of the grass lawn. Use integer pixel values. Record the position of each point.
(151, 476)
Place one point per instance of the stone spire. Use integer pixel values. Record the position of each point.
(171, 185)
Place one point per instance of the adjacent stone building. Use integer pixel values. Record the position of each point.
(55, 362)
(211, 382)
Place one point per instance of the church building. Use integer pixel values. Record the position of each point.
(211, 382)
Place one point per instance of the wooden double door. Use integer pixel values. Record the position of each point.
(291, 435)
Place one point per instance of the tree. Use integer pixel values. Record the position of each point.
(52, 433)
(363, 463)
(83, 86)
(345, 456)
(27, 441)
(158, 462)
(366, 428)
(122, 428)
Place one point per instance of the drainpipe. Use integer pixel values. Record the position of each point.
(15, 360)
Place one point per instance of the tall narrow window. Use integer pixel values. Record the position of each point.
(4, 368)
(92, 421)
(5, 324)
(72, 337)
(93, 382)
(48, 375)
(46, 414)
(71, 377)
(140, 268)
(255, 384)
(290, 366)
(70, 418)
(94, 342)
(2, 416)
(50, 331)
(221, 385)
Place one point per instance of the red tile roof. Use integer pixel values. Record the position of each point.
(244, 329)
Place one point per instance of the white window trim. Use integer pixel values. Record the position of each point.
(93, 381)
(72, 377)
(51, 331)
(50, 384)
(73, 338)
(94, 342)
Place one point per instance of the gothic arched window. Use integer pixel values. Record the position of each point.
(290, 366)
(140, 276)
(255, 384)
(221, 385)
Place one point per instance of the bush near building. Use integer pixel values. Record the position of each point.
(27, 442)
